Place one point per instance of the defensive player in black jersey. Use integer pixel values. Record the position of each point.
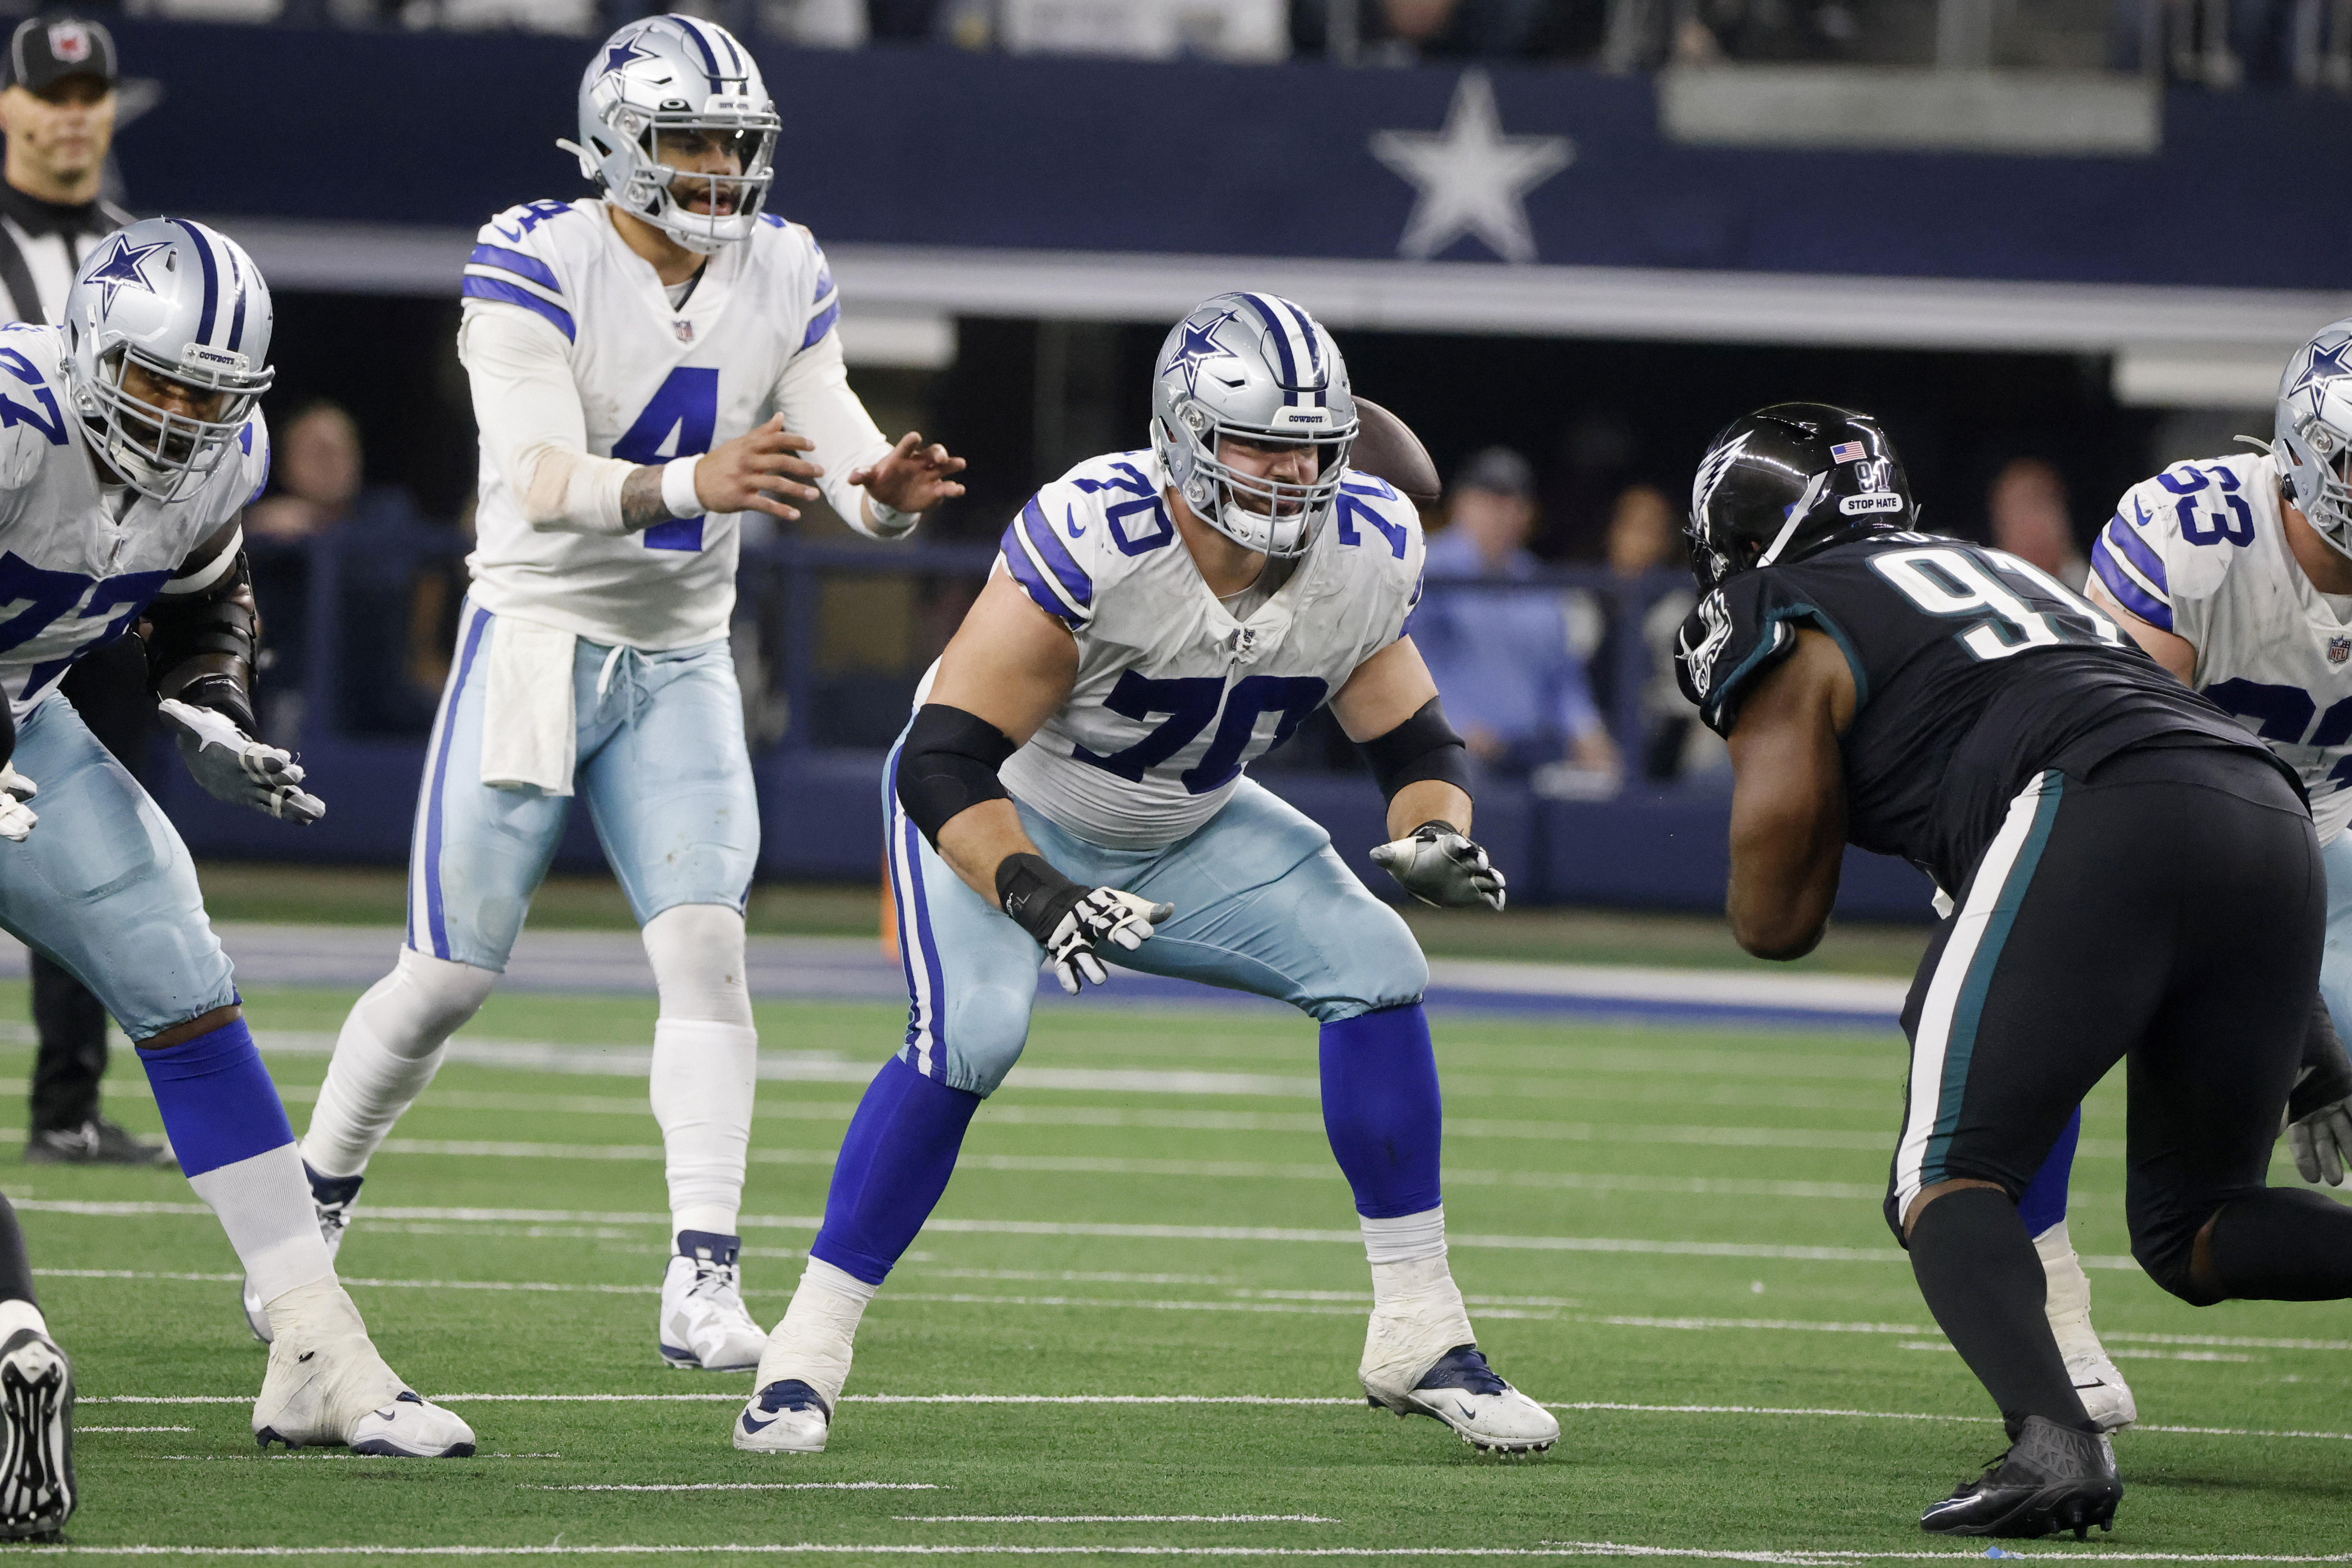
(2134, 877)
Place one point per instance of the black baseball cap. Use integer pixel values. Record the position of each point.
(47, 50)
(1500, 470)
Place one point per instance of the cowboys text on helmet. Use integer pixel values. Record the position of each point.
(1252, 367)
(675, 124)
(167, 346)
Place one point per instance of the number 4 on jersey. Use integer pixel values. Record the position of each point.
(679, 422)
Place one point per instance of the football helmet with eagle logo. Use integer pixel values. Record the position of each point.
(1790, 481)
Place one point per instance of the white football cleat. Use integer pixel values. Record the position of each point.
(1419, 1359)
(327, 1387)
(2107, 1398)
(786, 1417)
(703, 1323)
(36, 1475)
(334, 1198)
(805, 1365)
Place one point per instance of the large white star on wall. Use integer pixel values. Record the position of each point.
(1472, 179)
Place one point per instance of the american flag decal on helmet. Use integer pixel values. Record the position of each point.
(1848, 452)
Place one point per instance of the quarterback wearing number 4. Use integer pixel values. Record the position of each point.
(646, 367)
(1071, 789)
(130, 445)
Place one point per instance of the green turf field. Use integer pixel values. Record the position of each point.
(1673, 1233)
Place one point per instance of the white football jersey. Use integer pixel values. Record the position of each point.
(79, 561)
(2200, 551)
(655, 383)
(1174, 697)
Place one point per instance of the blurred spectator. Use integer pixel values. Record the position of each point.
(2026, 508)
(387, 567)
(1512, 685)
(1645, 542)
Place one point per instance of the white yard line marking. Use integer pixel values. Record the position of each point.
(1206, 1400)
(738, 1486)
(1113, 1518)
(84, 1431)
(1554, 1551)
(1888, 1253)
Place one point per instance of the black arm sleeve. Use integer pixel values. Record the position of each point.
(200, 647)
(949, 765)
(1422, 747)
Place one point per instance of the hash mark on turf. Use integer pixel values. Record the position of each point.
(1794, 1559)
(736, 1486)
(1114, 1519)
(85, 1431)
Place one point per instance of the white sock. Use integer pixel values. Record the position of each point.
(264, 1204)
(703, 1077)
(390, 1047)
(15, 1315)
(705, 1063)
(1407, 1239)
(819, 1329)
(2066, 1287)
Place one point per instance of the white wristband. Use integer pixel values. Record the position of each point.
(677, 487)
(889, 522)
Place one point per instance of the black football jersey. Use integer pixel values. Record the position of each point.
(1973, 672)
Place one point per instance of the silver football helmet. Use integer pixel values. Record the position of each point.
(182, 302)
(1258, 367)
(2314, 432)
(676, 76)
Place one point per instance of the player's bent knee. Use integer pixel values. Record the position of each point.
(436, 996)
(696, 950)
(2166, 1248)
(986, 1029)
(1383, 967)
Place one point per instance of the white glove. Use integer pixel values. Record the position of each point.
(234, 766)
(17, 819)
(1440, 866)
(1106, 915)
(2322, 1143)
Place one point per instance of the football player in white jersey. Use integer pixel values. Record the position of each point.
(646, 366)
(1071, 789)
(129, 445)
(2236, 575)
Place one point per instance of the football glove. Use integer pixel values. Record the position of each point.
(17, 819)
(2319, 1108)
(234, 766)
(1072, 922)
(1438, 865)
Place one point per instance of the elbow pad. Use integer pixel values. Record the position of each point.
(949, 765)
(1422, 747)
(201, 647)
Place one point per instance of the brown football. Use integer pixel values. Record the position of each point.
(1386, 449)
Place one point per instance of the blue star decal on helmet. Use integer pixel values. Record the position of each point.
(124, 265)
(1199, 343)
(2327, 364)
(623, 52)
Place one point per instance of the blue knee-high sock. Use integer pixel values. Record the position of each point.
(895, 1163)
(216, 1100)
(1381, 1109)
(2043, 1202)
(230, 1131)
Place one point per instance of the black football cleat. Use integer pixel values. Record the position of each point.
(2052, 1479)
(36, 1474)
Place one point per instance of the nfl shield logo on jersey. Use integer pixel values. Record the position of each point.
(685, 331)
(2339, 649)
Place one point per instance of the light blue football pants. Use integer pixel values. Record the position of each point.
(662, 763)
(2335, 959)
(104, 886)
(1263, 904)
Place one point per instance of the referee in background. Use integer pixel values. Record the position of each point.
(58, 111)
